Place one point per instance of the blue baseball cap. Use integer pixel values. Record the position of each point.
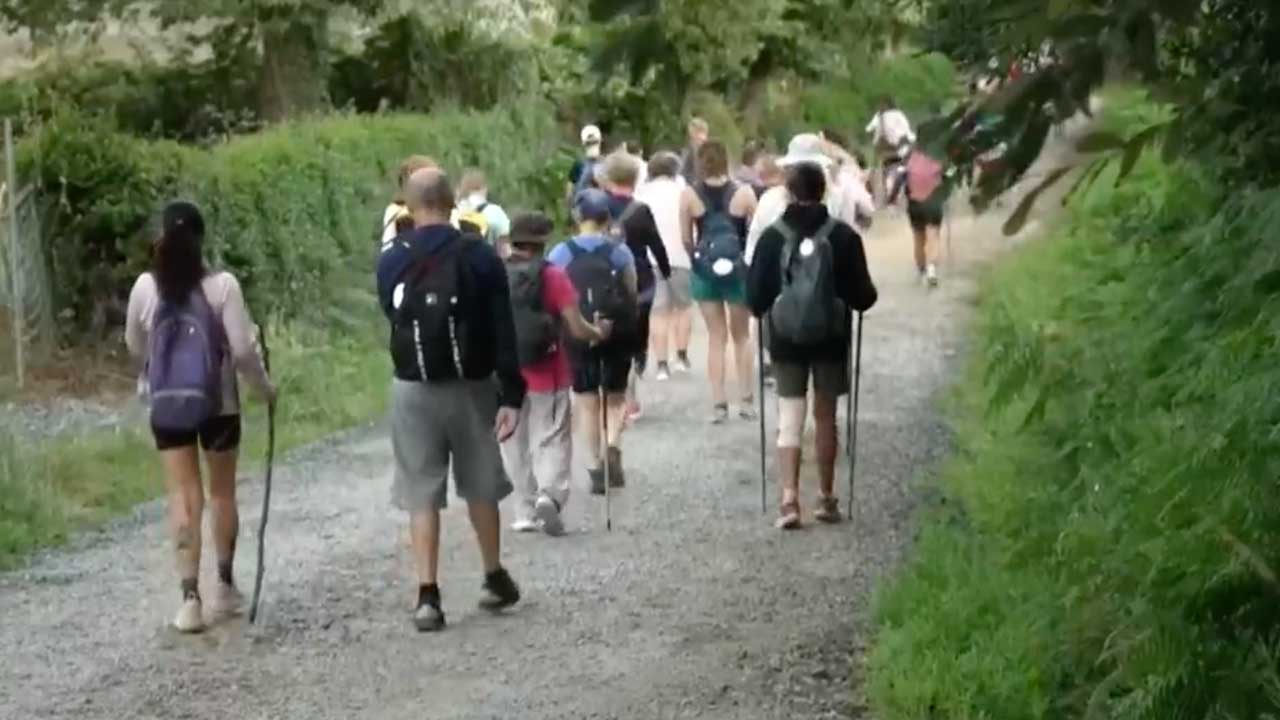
(592, 204)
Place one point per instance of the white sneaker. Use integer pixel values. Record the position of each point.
(683, 366)
(663, 374)
(525, 525)
(931, 275)
(190, 617)
(226, 601)
(549, 513)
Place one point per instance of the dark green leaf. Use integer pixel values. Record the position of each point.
(1022, 213)
(1133, 150)
(1100, 141)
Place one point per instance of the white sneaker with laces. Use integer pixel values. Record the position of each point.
(226, 601)
(663, 373)
(931, 275)
(190, 617)
(525, 525)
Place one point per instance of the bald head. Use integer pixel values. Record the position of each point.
(429, 194)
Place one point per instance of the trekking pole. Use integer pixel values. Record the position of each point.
(266, 490)
(764, 508)
(604, 441)
(852, 419)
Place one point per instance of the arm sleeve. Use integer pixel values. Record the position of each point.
(648, 229)
(241, 337)
(764, 280)
(853, 279)
(135, 330)
(506, 351)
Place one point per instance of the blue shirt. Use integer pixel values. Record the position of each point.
(620, 258)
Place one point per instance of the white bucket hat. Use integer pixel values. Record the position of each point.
(805, 148)
(591, 135)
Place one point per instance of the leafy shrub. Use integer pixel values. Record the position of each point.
(291, 210)
(1113, 537)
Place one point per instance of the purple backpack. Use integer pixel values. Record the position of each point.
(184, 364)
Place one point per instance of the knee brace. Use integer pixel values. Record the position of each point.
(791, 422)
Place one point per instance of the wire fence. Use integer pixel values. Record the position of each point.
(26, 299)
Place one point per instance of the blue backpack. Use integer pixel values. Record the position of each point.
(718, 255)
(184, 364)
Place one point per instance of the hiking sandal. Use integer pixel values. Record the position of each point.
(828, 510)
(789, 518)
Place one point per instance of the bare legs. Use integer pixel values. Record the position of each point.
(586, 416)
(226, 515)
(186, 510)
(424, 532)
(722, 326)
(743, 353)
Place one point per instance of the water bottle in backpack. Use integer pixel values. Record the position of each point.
(807, 311)
(184, 364)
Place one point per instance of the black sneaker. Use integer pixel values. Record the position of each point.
(617, 478)
(500, 591)
(597, 481)
(428, 617)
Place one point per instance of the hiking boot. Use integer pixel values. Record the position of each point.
(617, 478)
(597, 481)
(664, 372)
(720, 414)
(190, 618)
(828, 510)
(226, 601)
(428, 617)
(500, 591)
(548, 511)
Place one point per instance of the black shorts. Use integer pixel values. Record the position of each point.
(830, 379)
(924, 214)
(608, 367)
(218, 434)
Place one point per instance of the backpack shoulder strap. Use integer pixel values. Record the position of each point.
(824, 233)
(787, 232)
(632, 208)
(575, 250)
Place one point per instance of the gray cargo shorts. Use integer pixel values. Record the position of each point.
(435, 424)
(674, 294)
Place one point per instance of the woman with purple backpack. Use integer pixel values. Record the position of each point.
(191, 330)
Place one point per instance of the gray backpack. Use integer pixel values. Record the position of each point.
(807, 311)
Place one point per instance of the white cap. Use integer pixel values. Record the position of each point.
(805, 148)
(591, 135)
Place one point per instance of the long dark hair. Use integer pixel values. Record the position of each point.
(177, 261)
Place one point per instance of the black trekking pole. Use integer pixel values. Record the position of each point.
(852, 417)
(764, 507)
(604, 443)
(266, 490)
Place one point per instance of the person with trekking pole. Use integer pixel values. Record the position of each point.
(807, 276)
(457, 389)
(545, 305)
(191, 330)
(603, 272)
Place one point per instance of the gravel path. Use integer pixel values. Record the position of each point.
(694, 606)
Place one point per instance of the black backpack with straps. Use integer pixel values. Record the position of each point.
(537, 331)
(431, 327)
(807, 311)
(601, 287)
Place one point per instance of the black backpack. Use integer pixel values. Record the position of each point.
(602, 290)
(431, 332)
(537, 331)
(719, 244)
(807, 311)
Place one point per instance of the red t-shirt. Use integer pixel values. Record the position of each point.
(552, 373)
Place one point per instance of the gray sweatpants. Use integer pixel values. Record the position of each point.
(434, 425)
(538, 456)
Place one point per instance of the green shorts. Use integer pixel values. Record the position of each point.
(731, 290)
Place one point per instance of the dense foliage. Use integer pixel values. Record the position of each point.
(1110, 539)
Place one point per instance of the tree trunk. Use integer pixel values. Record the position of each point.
(294, 71)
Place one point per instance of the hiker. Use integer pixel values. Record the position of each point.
(698, 132)
(926, 202)
(545, 307)
(747, 172)
(809, 271)
(632, 222)
(396, 218)
(487, 219)
(892, 138)
(847, 194)
(715, 214)
(634, 150)
(583, 175)
(190, 328)
(457, 385)
(672, 316)
(603, 272)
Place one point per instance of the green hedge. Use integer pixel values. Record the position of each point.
(290, 210)
(1111, 539)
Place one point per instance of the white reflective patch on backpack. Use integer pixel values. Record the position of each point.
(397, 296)
(806, 247)
(723, 267)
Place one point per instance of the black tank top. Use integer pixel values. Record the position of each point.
(717, 199)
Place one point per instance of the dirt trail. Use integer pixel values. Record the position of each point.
(694, 606)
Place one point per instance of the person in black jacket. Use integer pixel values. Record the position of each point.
(826, 362)
(640, 232)
(438, 423)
